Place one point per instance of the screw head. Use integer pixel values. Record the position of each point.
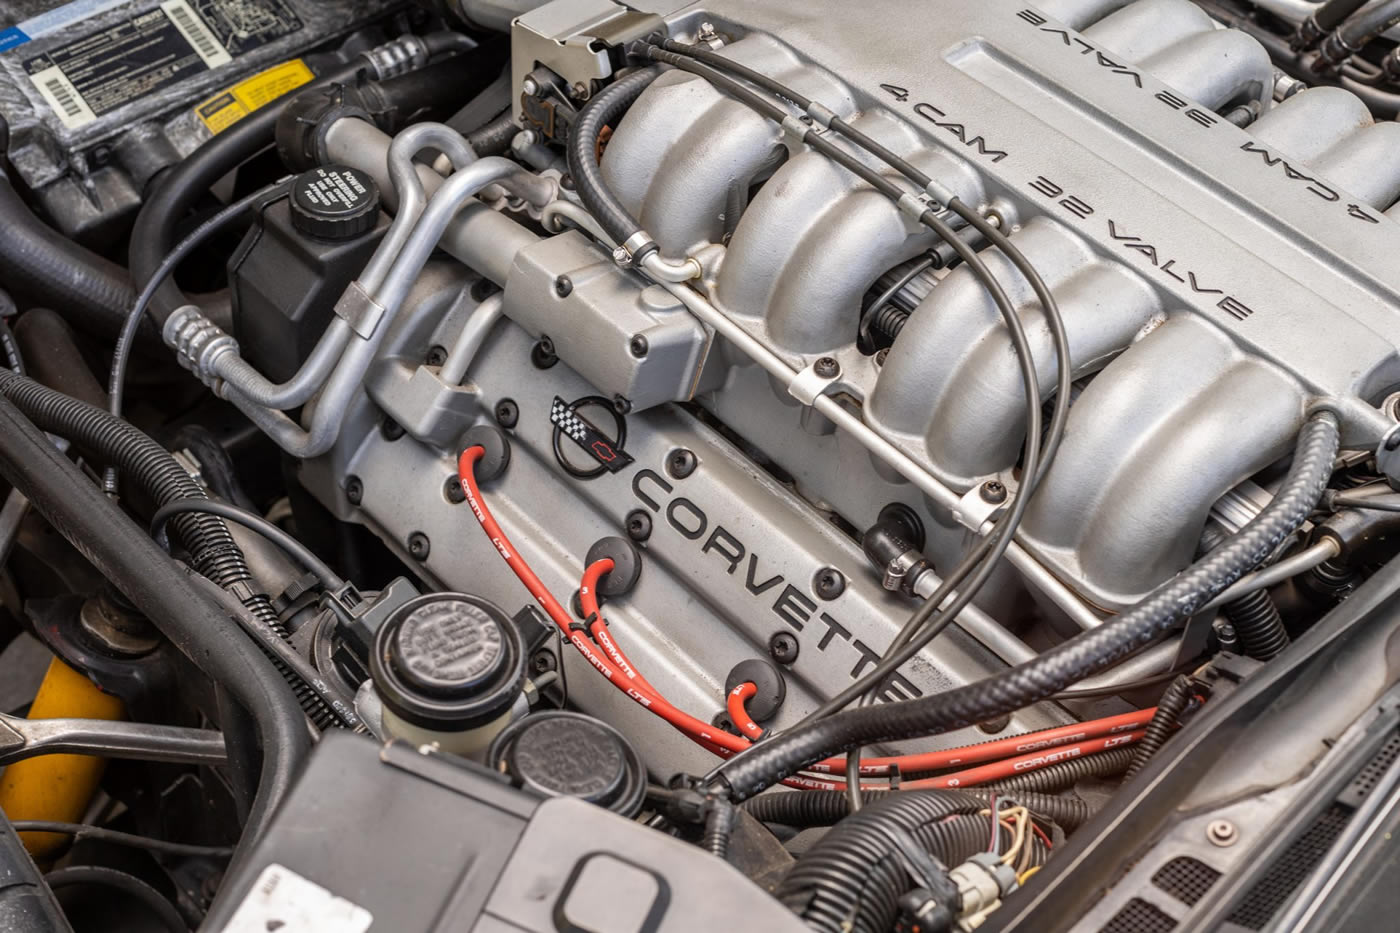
(529, 87)
(783, 647)
(452, 490)
(563, 285)
(638, 346)
(993, 491)
(638, 525)
(436, 356)
(544, 661)
(827, 367)
(507, 413)
(542, 355)
(829, 583)
(419, 546)
(680, 463)
(1222, 833)
(354, 490)
(390, 429)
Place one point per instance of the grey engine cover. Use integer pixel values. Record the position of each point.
(1215, 281)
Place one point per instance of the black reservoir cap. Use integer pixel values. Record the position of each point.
(566, 754)
(448, 662)
(334, 202)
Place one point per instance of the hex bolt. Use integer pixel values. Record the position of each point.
(638, 346)
(1222, 833)
(419, 546)
(680, 463)
(507, 413)
(827, 367)
(563, 285)
(436, 356)
(638, 525)
(829, 583)
(544, 661)
(390, 429)
(354, 490)
(993, 491)
(783, 647)
(452, 490)
(529, 87)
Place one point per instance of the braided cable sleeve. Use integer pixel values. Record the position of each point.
(605, 107)
(1058, 668)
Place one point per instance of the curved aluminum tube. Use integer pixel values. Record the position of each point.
(484, 239)
(242, 379)
(469, 341)
(1033, 570)
(418, 245)
(556, 212)
(249, 385)
(1303, 561)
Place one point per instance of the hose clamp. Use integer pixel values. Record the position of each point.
(399, 57)
(359, 310)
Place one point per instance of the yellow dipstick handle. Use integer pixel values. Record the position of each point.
(57, 787)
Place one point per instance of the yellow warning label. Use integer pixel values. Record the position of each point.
(225, 109)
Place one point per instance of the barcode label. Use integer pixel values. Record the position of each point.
(63, 97)
(196, 33)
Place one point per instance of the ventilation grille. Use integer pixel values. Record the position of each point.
(1273, 890)
(1139, 916)
(1186, 879)
(1365, 781)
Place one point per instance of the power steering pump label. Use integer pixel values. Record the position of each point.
(152, 50)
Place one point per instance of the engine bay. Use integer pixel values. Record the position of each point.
(529, 466)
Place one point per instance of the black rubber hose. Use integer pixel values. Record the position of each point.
(1063, 775)
(493, 138)
(48, 267)
(1067, 663)
(719, 826)
(165, 593)
(1331, 14)
(13, 358)
(129, 885)
(1361, 27)
(851, 879)
(212, 549)
(53, 357)
(1168, 716)
(179, 188)
(1256, 619)
(26, 903)
(603, 110)
(808, 808)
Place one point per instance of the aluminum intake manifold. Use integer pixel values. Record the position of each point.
(1215, 281)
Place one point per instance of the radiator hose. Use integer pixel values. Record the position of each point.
(851, 879)
(1086, 654)
(51, 269)
(212, 549)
